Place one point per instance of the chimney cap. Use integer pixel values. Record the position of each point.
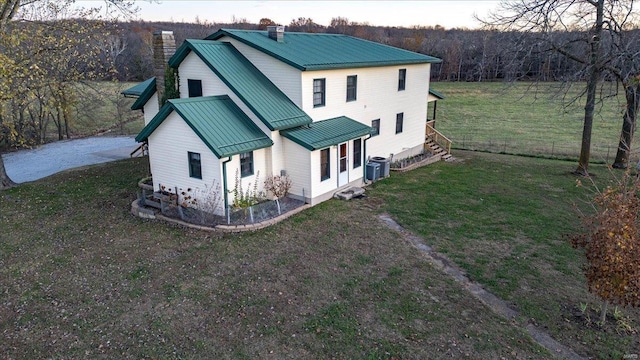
(276, 28)
(163, 32)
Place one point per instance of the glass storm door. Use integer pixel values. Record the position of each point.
(343, 164)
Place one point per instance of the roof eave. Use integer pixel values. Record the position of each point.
(247, 149)
(144, 134)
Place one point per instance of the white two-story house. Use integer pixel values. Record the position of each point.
(313, 106)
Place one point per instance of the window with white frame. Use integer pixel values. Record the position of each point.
(195, 165)
(246, 164)
(399, 122)
(352, 87)
(402, 79)
(325, 168)
(318, 92)
(375, 124)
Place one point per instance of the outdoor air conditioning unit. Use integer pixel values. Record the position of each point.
(373, 171)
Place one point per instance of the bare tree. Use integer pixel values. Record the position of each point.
(25, 59)
(601, 37)
(583, 21)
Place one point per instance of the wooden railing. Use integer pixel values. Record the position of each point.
(140, 150)
(437, 136)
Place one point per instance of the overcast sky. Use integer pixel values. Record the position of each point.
(449, 14)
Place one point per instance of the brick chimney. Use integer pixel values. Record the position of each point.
(276, 32)
(164, 46)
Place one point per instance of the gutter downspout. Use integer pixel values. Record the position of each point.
(224, 188)
(364, 157)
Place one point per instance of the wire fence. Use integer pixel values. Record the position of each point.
(168, 205)
(544, 148)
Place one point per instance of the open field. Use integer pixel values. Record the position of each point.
(104, 108)
(81, 277)
(524, 119)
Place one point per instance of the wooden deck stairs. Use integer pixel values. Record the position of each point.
(431, 146)
(437, 143)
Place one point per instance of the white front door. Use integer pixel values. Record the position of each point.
(343, 164)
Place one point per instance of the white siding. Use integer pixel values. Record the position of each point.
(150, 109)
(297, 165)
(277, 160)
(192, 67)
(377, 98)
(285, 77)
(169, 145)
(247, 183)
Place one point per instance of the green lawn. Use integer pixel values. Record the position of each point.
(504, 219)
(83, 278)
(524, 118)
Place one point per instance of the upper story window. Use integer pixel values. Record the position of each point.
(402, 79)
(357, 153)
(318, 92)
(352, 87)
(246, 164)
(195, 87)
(399, 122)
(325, 169)
(375, 124)
(195, 166)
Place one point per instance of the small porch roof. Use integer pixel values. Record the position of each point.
(143, 91)
(437, 94)
(321, 134)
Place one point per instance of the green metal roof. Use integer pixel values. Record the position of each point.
(143, 91)
(437, 94)
(313, 51)
(321, 134)
(217, 120)
(270, 104)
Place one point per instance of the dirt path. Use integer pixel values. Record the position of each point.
(48, 159)
(497, 305)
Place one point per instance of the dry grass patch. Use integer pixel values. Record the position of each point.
(87, 279)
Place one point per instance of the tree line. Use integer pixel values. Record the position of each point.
(63, 53)
(467, 54)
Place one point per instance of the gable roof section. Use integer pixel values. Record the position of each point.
(321, 134)
(270, 104)
(217, 121)
(143, 91)
(307, 51)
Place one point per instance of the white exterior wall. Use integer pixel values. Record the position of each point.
(169, 145)
(278, 151)
(285, 77)
(377, 98)
(150, 109)
(247, 183)
(296, 163)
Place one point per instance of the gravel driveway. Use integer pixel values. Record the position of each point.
(29, 165)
